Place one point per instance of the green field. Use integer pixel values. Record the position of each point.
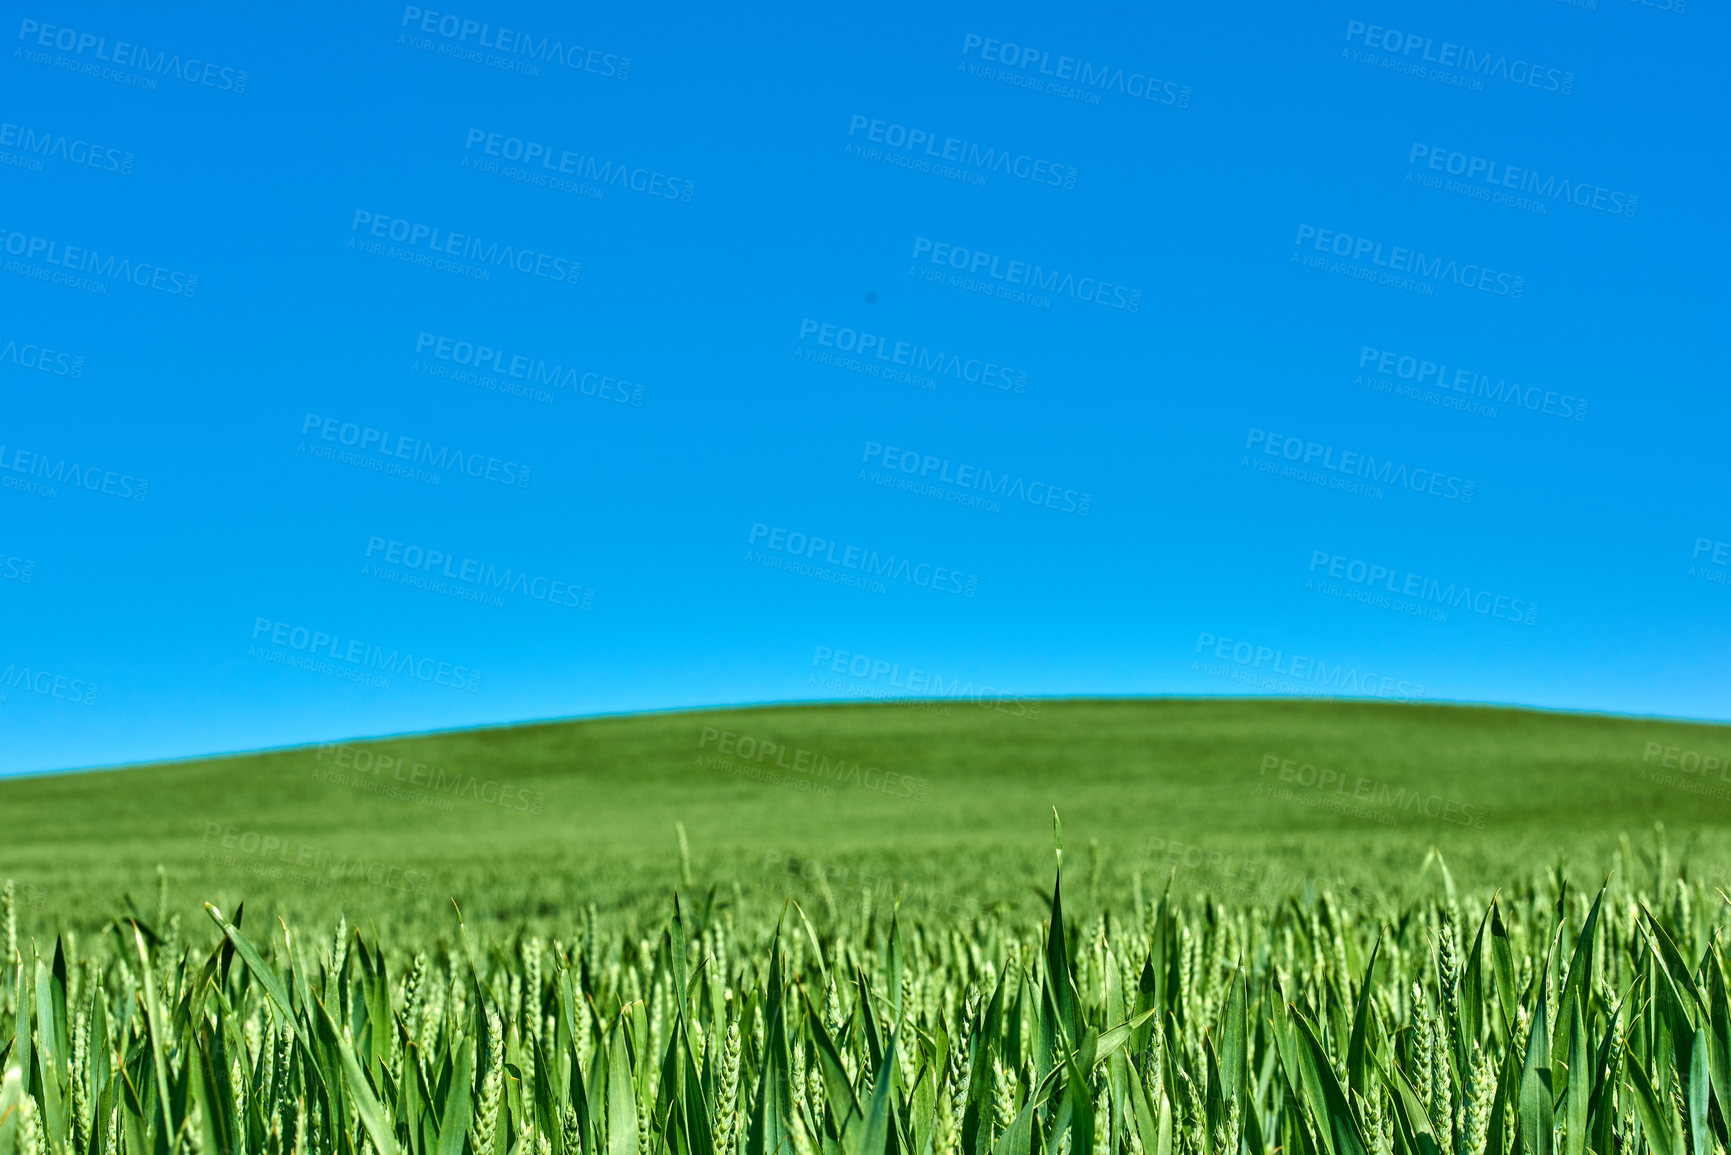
(1253, 950)
(950, 809)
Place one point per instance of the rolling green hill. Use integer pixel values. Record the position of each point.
(949, 806)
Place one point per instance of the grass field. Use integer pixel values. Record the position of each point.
(1253, 950)
(517, 823)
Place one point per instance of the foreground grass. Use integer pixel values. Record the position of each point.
(1552, 1020)
(533, 822)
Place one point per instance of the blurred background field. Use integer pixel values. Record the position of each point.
(947, 807)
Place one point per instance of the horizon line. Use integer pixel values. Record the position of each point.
(521, 723)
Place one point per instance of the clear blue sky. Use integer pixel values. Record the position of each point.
(546, 363)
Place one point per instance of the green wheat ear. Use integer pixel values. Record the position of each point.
(9, 919)
(29, 1128)
(726, 1108)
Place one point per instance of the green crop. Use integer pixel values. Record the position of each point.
(1548, 1020)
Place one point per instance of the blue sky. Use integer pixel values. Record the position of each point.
(399, 368)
